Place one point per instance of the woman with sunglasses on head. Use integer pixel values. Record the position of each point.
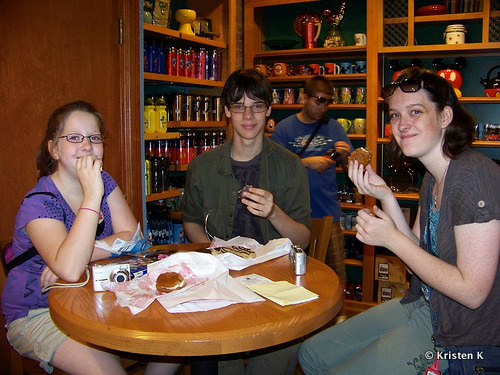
(452, 251)
(73, 204)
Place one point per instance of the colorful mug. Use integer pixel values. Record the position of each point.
(345, 95)
(332, 68)
(315, 69)
(360, 66)
(288, 96)
(262, 68)
(359, 125)
(346, 123)
(345, 68)
(360, 97)
(280, 69)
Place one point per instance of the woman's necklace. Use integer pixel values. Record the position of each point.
(436, 186)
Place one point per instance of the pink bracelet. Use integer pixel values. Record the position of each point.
(91, 209)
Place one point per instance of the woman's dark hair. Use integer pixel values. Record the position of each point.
(247, 81)
(459, 134)
(317, 84)
(44, 162)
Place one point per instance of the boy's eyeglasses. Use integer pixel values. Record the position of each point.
(241, 108)
(408, 86)
(78, 138)
(321, 100)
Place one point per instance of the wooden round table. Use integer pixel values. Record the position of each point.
(96, 318)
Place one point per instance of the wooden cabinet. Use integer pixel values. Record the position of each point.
(404, 35)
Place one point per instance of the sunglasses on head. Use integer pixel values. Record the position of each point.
(408, 86)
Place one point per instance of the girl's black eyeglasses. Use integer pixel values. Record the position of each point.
(78, 138)
(408, 86)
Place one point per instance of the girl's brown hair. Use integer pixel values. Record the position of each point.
(45, 164)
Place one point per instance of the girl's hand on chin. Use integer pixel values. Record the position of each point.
(88, 172)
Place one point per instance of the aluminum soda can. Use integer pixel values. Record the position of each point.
(197, 106)
(187, 108)
(161, 59)
(171, 61)
(181, 57)
(177, 104)
(212, 65)
(206, 109)
(200, 64)
(188, 62)
(217, 109)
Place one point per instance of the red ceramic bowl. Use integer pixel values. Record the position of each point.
(431, 10)
(492, 93)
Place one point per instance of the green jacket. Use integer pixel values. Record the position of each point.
(212, 189)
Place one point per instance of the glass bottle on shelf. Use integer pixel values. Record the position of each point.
(334, 37)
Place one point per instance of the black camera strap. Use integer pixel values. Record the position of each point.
(32, 251)
(20, 259)
(322, 121)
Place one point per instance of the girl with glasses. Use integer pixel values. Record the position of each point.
(448, 320)
(73, 204)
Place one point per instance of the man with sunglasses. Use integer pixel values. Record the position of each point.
(310, 134)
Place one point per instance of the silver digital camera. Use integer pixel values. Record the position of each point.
(114, 272)
(122, 270)
(298, 259)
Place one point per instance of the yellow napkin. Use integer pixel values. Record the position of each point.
(283, 293)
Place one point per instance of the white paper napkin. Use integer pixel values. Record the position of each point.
(208, 286)
(120, 246)
(263, 253)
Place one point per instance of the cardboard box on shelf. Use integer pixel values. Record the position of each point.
(390, 268)
(388, 290)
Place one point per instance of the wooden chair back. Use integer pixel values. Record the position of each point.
(320, 236)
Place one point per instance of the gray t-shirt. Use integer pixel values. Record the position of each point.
(471, 195)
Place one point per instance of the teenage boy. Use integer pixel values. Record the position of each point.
(252, 187)
(310, 134)
(274, 195)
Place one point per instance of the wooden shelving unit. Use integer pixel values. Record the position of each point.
(223, 17)
(171, 193)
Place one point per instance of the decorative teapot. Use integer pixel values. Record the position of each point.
(492, 86)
